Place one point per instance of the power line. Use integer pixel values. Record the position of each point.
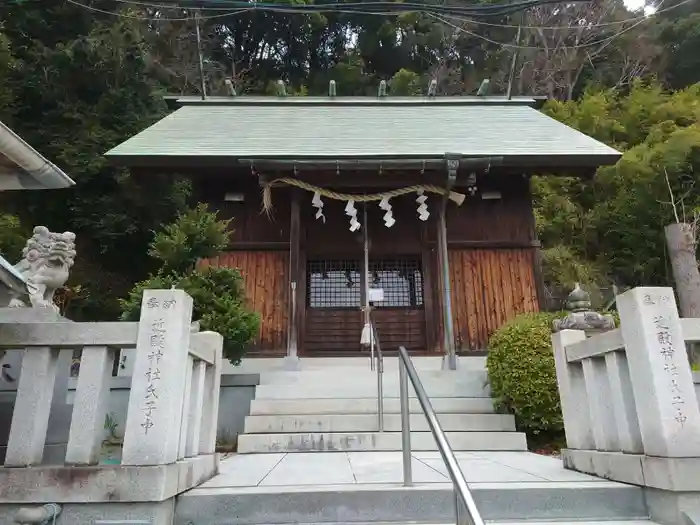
(563, 28)
(343, 8)
(378, 7)
(156, 19)
(516, 46)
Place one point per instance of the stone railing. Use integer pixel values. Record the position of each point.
(628, 400)
(170, 433)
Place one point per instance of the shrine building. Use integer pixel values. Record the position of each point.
(437, 189)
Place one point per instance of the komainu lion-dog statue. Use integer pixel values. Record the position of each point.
(46, 261)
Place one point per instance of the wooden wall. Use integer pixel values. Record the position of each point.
(489, 287)
(337, 331)
(492, 254)
(265, 274)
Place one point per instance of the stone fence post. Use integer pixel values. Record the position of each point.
(662, 381)
(158, 385)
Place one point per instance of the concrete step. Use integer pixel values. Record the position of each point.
(600, 522)
(369, 422)
(427, 503)
(368, 405)
(498, 522)
(376, 441)
(365, 376)
(469, 385)
(256, 365)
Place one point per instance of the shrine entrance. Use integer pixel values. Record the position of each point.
(334, 316)
(335, 287)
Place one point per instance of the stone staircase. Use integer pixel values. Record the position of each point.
(311, 454)
(332, 406)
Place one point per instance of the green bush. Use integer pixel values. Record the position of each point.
(521, 372)
(218, 295)
(196, 234)
(218, 304)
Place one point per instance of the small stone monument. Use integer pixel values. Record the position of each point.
(582, 317)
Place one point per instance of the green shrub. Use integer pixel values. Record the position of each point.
(218, 295)
(521, 372)
(196, 234)
(218, 304)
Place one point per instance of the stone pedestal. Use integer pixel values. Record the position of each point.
(671, 485)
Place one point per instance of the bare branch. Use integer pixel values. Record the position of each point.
(673, 200)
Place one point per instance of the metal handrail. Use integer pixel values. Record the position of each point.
(465, 508)
(374, 342)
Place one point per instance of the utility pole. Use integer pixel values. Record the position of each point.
(516, 52)
(199, 54)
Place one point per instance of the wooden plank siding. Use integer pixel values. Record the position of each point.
(492, 249)
(336, 331)
(266, 278)
(489, 287)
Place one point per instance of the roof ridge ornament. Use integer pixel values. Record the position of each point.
(432, 88)
(484, 88)
(230, 87)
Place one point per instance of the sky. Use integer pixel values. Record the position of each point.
(636, 4)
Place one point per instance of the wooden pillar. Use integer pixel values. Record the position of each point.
(294, 281)
(431, 319)
(450, 359)
(446, 291)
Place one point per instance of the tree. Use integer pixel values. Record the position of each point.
(678, 33)
(12, 238)
(217, 293)
(77, 87)
(565, 43)
(616, 222)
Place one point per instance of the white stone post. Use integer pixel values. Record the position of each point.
(667, 409)
(90, 406)
(194, 424)
(212, 385)
(186, 408)
(572, 392)
(154, 417)
(30, 419)
(624, 406)
(601, 409)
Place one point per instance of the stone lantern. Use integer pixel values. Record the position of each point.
(581, 317)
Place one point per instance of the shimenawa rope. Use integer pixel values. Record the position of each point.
(431, 188)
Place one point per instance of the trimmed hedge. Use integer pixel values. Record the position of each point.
(522, 375)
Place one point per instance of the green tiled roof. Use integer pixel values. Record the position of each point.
(308, 128)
